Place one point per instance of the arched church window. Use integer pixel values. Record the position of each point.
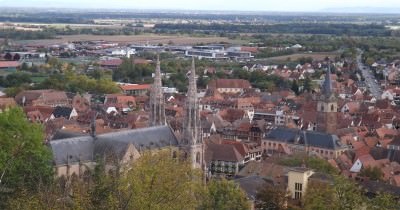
(322, 108)
(332, 107)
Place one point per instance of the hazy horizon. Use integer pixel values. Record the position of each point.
(216, 5)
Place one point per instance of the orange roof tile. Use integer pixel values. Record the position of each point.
(135, 87)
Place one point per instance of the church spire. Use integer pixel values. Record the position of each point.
(327, 87)
(192, 139)
(191, 124)
(157, 115)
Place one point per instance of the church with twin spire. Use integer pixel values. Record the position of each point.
(78, 154)
(191, 142)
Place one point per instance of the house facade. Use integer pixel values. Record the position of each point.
(291, 141)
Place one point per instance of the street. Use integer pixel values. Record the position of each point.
(373, 85)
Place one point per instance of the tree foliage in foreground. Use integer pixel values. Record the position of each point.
(224, 195)
(272, 197)
(155, 181)
(24, 161)
(344, 194)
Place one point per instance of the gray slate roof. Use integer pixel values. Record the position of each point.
(252, 184)
(72, 150)
(310, 138)
(63, 134)
(87, 148)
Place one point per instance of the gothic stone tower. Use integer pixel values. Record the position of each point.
(192, 141)
(327, 106)
(157, 104)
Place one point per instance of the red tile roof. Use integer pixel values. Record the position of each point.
(240, 147)
(135, 87)
(229, 83)
(249, 49)
(117, 62)
(7, 102)
(9, 64)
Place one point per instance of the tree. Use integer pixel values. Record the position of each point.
(342, 194)
(319, 196)
(13, 91)
(347, 194)
(369, 61)
(272, 197)
(295, 87)
(53, 62)
(55, 196)
(307, 85)
(374, 173)
(8, 56)
(17, 79)
(16, 57)
(159, 181)
(223, 195)
(383, 201)
(24, 159)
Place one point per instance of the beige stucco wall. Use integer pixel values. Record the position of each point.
(298, 177)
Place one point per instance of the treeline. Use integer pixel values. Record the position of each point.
(51, 33)
(26, 35)
(291, 28)
(70, 16)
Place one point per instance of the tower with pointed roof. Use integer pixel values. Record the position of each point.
(327, 106)
(157, 103)
(192, 141)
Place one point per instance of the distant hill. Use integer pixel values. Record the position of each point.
(380, 10)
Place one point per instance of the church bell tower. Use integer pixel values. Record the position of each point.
(327, 106)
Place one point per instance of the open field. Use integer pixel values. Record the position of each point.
(315, 56)
(136, 39)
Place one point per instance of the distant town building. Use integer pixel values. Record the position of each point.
(8, 67)
(229, 85)
(135, 89)
(52, 98)
(292, 141)
(298, 181)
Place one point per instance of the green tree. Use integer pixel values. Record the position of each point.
(307, 86)
(369, 61)
(319, 196)
(224, 195)
(383, 201)
(295, 87)
(159, 181)
(342, 194)
(24, 159)
(53, 62)
(272, 197)
(374, 173)
(16, 79)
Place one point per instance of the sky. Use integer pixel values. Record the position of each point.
(228, 5)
